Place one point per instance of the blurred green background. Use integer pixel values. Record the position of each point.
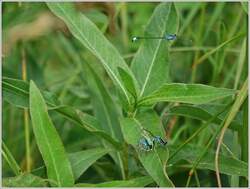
(31, 33)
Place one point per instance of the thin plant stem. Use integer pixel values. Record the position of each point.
(197, 53)
(197, 161)
(237, 104)
(205, 56)
(26, 117)
(189, 179)
(241, 61)
(197, 178)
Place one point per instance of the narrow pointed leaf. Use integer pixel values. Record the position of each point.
(81, 161)
(10, 159)
(151, 62)
(16, 92)
(48, 141)
(93, 39)
(136, 182)
(128, 81)
(187, 93)
(105, 110)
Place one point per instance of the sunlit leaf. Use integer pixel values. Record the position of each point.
(151, 62)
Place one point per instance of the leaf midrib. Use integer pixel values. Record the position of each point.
(50, 151)
(104, 62)
(154, 57)
(178, 97)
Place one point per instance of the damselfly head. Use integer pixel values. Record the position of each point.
(134, 39)
(170, 37)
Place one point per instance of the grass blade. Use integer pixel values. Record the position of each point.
(10, 159)
(48, 141)
(205, 56)
(136, 182)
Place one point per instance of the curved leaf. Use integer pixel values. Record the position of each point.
(186, 93)
(48, 141)
(93, 39)
(151, 62)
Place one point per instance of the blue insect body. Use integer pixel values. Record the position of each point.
(149, 141)
(169, 37)
(145, 145)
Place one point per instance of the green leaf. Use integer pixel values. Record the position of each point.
(93, 39)
(81, 161)
(136, 182)
(154, 161)
(228, 165)
(186, 93)
(151, 62)
(24, 180)
(128, 81)
(14, 89)
(200, 113)
(10, 159)
(105, 110)
(48, 141)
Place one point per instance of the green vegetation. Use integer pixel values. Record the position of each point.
(79, 96)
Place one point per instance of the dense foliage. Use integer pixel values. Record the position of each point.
(84, 105)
